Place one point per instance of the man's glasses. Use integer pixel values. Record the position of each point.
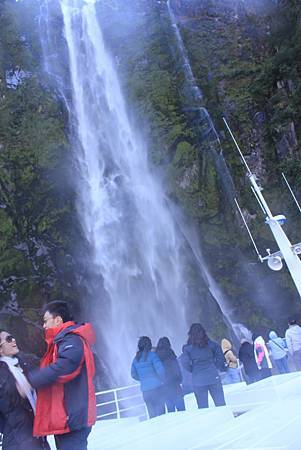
(9, 339)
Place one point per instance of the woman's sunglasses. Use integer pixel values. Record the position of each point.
(9, 339)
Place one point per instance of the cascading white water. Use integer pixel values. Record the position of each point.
(195, 94)
(135, 248)
(194, 101)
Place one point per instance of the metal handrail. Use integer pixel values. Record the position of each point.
(101, 416)
(117, 389)
(129, 398)
(119, 409)
(113, 401)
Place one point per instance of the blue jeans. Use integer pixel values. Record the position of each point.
(232, 376)
(154, 401)
(282, 365)
(176, 404)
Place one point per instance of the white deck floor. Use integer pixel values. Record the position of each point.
(269, 418)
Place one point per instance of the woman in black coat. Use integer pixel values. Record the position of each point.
(17, 400)
(171, 389)
(203, 358)
(247, 357)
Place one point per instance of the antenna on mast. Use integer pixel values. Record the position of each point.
(248, 230)
(256, 196)
(291, 191)
(238, 148)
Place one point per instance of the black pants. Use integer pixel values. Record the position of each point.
(216, 392)
(154, 401)
(75, 440)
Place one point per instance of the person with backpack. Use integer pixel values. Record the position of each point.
(204, 358)
(279, 353)
(149, 371)
(232, 374)
(262, 356)
(172, 389)
(17, 399)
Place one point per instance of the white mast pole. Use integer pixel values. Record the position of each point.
(287, 251)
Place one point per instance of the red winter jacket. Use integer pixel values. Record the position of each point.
(66, 397)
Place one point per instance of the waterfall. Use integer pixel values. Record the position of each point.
(136, 254)
(138, 258)
(193, 92)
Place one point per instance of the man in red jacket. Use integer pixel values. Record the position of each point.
(66, 404)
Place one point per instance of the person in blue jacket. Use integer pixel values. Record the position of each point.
(149, 371)
(172, 389)
(203, 358)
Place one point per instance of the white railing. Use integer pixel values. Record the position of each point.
(125, 401)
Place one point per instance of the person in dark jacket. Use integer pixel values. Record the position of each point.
(172, 390)
(148, 369)
(247, 357)
(66, 403)
(203, 358)
(17, 399)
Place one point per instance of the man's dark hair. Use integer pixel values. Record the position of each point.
(58, 308)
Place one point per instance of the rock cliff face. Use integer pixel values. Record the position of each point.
(245, 58)
(240, 55)
(37, 223)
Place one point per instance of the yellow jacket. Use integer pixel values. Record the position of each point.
(231, 359)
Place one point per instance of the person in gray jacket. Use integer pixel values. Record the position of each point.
(293, 341)
(277, 348)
